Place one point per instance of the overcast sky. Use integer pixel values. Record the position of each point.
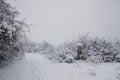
(57, 21)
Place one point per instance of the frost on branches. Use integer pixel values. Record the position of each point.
(12, 34)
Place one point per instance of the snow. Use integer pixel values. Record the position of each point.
(37, 67)
(79, 44)
(118, 55)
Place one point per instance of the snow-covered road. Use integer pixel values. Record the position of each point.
(36, 67)
(32, 67)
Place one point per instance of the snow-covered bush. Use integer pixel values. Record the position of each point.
(43, 47)
(12, 33)
(94, 50)
(98, 50)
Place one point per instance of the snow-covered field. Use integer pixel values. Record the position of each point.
(37, 67)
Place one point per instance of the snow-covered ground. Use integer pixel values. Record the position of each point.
(37, 67)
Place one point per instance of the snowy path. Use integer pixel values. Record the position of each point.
(36, 67)
(32, 67)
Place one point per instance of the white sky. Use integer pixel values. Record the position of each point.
(57, 21)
